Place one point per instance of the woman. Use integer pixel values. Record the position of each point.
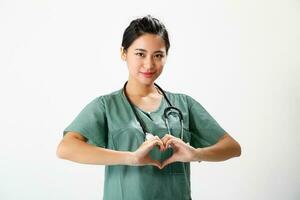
(147, 149)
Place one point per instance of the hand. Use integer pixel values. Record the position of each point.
(141, 155)
(182, 152)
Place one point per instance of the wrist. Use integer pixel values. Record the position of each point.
(129, 158)
(198, 152)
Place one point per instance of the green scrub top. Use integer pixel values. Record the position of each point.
(109, 122)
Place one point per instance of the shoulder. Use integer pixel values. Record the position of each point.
(108, 98)
(180, 98)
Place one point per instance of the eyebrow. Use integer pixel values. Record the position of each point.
(159, 51)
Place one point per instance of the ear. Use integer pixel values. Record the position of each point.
(123, 53)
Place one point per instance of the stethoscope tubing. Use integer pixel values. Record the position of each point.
(165, 115)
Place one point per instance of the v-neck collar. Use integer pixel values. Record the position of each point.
(155, 111)
(136, 107)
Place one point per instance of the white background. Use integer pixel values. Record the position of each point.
(239, 59)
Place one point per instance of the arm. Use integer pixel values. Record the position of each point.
(224, 149)
(74, 147)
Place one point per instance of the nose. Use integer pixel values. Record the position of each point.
(149, 63)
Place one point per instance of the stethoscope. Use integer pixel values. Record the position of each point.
(170, 110)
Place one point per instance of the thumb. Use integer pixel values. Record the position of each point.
(168, 161)
(155, 163)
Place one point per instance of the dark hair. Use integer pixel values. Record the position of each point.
(141, 26)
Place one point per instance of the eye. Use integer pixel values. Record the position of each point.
(159, 56)
(140, 54)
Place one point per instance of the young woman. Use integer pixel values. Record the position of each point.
(145, 136)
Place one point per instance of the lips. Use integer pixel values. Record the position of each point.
(148, 74)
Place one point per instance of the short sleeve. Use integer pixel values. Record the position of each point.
(205, 130)
(91, 123)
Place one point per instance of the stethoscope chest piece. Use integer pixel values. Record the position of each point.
(173, 111)
(170, 110)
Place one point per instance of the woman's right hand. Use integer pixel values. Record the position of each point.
(141, 155)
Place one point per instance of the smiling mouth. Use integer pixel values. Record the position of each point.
(148, 74)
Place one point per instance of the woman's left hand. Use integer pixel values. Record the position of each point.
(182, 151)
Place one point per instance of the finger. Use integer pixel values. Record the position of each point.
(148, 145)
(168, 161)
(159, 143)
(166, 138)
(155, 163)
(171, 143)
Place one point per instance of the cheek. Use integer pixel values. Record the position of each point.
(134, 62)
(160, 69)
(133, 66)
(160, 66)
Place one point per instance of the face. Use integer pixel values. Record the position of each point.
(145, 58)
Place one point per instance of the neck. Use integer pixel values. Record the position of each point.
(134, 88)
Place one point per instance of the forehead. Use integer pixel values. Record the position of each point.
(149, 42)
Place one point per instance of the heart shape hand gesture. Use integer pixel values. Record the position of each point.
(182, 151)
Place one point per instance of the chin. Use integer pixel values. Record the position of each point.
(148, 81)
